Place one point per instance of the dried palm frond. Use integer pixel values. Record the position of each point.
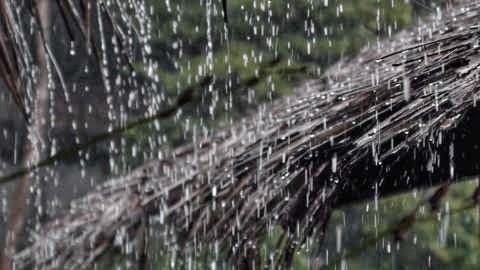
(87, 24)
(12, 61)
(382, 122)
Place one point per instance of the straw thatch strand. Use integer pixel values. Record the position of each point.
(399, 116)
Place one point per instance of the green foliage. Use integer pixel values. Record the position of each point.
(302, 31)
(191, 40)
(450, 242)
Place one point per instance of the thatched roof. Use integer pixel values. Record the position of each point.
(399, 116)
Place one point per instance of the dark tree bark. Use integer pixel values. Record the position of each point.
(34, 145)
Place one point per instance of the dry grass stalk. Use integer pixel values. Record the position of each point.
(290, 164)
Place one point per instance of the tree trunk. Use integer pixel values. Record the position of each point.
(33, 146)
